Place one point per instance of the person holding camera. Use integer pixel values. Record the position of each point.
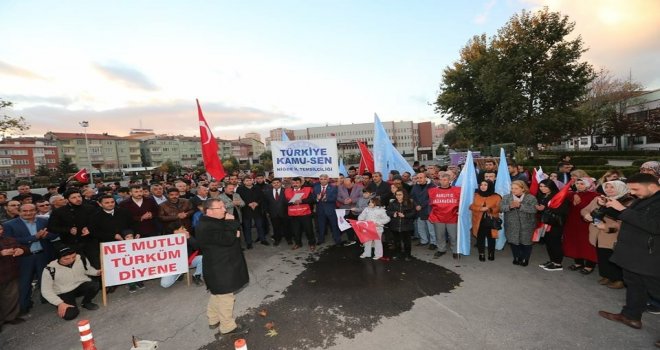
(604, 230)
(638, 249)
(485, 218)
(576, 231)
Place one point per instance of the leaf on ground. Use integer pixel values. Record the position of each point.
(271, 333)
(263, 313)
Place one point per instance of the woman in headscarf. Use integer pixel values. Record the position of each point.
(609, 175)
(486, 205)
(651, 167)
(576, 231)
(604, 231)
(555, 218)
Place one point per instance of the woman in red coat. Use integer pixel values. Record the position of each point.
(576, 231)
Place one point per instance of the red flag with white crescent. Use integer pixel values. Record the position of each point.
(82, 176)
(212, 161)
(366, 159)
(365, 230)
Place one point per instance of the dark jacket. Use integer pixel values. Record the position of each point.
(9, 264)
(225, 269)
(404, 224)
(63, 219)
(168, 215)
(420, 196)
(104, 226)
(250, 195)
(381, 190)
(275, 208)
(17, 229)
(638, 245)
(146, 228)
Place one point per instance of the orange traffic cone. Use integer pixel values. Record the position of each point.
(86, 337)
(240, 344)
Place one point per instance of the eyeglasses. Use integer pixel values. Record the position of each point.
(215, 208)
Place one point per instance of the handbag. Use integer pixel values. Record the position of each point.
(551, 218)
(494, 223)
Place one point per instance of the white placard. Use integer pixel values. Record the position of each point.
(142, 259)
(307, 158)
(341, 221)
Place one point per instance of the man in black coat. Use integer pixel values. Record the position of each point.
(276, 207)
(71, 223)
(225, 269)
(252, 211)
(638, 248)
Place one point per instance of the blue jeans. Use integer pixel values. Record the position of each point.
(196, 264)
(426, 232)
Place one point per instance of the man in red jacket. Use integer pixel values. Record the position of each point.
(300, 212)
(443, 201)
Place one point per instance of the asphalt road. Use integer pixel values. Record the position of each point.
(335, 300)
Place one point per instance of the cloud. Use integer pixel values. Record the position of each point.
(622, 36)
(8, 69)
(128, 76)
(482, 17)
(31, 100)
(174, 118)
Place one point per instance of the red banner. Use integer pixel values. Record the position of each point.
(365, 230)
(212, 161)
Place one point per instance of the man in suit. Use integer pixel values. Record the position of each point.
(326, 198)
(638, 248)
(276, 208)
(30, 231)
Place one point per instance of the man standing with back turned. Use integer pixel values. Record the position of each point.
(225, 269)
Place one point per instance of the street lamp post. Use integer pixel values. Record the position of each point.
(85, 125)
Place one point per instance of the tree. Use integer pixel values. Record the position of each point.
(440, 150)
(9, 125)
(266, 159)
(65, 167)
(230, 164)
(43, 170)
(519, 86)
(603, 109)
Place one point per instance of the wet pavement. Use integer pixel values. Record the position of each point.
(339, 294)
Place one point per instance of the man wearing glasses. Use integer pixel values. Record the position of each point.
(43, 209)
(224, 267)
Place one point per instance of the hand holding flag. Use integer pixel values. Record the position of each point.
(365, 230)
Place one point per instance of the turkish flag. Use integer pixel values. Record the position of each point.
(366, 159)
(365, 230)
(82, 176)
(559, 198)
(212, 162)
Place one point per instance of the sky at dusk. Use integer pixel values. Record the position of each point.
(259, 65)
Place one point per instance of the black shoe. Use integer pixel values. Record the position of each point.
(249, 246)
(524, 262)
(264, 242)
(289, 242)
(491, 256)
(516, 261)
(349, 243)
(197, 280)
(140, 285)
(438, 254)
(214, 326)
(238, 330)
(456, 256)
(482, 257)
(545, 264)
(110, 290)
(90, 306)
(433, 247)
(132, 288)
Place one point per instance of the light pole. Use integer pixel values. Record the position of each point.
(85, 125)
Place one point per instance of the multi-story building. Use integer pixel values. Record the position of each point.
(185, 151)
(98, 151)
(20, 157)
(413, 140)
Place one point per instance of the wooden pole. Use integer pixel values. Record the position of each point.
(104, 294)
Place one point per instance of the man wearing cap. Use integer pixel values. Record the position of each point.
(66, 279)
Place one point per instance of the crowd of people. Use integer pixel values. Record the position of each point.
(53, 240)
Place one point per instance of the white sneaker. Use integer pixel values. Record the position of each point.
(377, 257)
(365, 256)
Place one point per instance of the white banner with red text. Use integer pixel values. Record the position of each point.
(142, 259)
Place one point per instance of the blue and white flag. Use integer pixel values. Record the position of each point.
(502, 187)
(467, 180)
(342, 168)
(285, 137)
(386, 157)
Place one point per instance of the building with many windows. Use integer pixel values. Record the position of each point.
(20, 157)
(98, 151)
